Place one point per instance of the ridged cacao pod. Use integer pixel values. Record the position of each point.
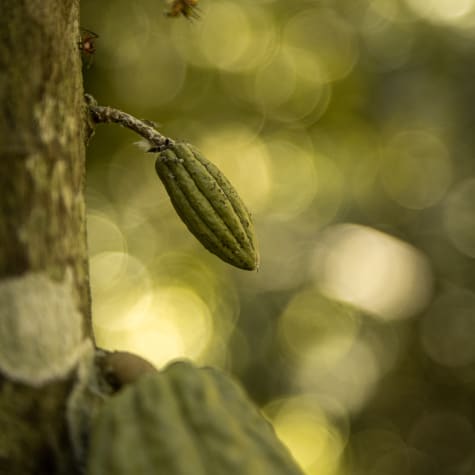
(185, 421)
(208, 205)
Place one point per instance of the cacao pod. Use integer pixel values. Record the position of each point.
(185, 421)
(208, 204)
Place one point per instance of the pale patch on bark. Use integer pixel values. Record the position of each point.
(41, 335)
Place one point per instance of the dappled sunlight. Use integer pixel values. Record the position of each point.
(171, 314)
(323, 339)
(305, 426)
(120, 287)
(350, 379)
(319, 328)
(452, 12)
(347, 129)
(373, 271)
(169, 323)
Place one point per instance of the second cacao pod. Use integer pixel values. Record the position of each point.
(185, 420)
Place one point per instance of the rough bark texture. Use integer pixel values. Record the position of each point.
(42, 210)
(42, 170)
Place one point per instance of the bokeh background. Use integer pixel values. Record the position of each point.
(348, 128)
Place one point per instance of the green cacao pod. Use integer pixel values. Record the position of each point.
(185, 421)
(208, 205)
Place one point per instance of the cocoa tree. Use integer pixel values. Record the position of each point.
(57, 390)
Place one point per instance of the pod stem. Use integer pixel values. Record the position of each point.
(146, 129)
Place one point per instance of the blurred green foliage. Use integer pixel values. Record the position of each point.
(347, 127)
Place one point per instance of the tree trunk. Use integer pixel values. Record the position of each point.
(44, 288)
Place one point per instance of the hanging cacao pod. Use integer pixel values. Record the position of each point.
(208, 204)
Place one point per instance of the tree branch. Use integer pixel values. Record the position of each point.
(145, 128)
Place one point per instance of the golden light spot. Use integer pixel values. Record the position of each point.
(442, 11)
(304, 427)
(373, 271)
(120, 287)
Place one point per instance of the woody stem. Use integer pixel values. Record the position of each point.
(104, 114)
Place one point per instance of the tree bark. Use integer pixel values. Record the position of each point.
(42, 172)
(44, 288)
